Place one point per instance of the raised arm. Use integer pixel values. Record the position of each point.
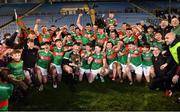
(36, 26)
(78, 23)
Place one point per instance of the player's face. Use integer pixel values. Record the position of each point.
(175, 22)
(163, 24)
(95, 27)
(128, 32)
(16, 56)
(156, 52)
(97, 49)
(77, 31)
(124, 26)
(31, 36)
(131, 47)
(111, 27)
(88, 28)
(101, 31)
(59, 44)
(69, 37)
(158, 36)
(53, 28)
(150, 30)
(88, 48)
(109, 46)
(30, 44)
(64, 30)
(44, 29)
(72, 28)
(113, 35)
(145, 49)
(135, 30)
(76, 48)
(111, 15)
(47, 48)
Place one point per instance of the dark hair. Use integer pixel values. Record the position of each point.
(72, 25)
(53, 25)
(30, 40)
(77, 28)
(7, 34)
(57, 40)
(88, 24)
(131, 43)
(146, 45)
(129, 29)
(15, 51)
(90, 45)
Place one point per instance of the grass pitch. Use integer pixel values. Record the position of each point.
(97, 96)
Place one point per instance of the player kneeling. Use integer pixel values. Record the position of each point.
(98, 65)
(85, 67)
(134, 62)
(111, 56)
(55, 68)
(42, 65)
(147, 62)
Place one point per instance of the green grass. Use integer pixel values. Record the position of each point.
(97, 96)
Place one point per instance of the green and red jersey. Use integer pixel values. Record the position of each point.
(100, 39)
(5, 93)
(97, 61)
(111, 56)
(135, 57)
(44, 38)
(114, 41)
(44, 58)
(73, 33)
(157, 44)
(16, 69)
(130, 39)
(147, 58)
(58, 54)
(123, 57)
(110, 21)
(149, 37)
(85, 55)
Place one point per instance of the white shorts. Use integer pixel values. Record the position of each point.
(137, 69)
(82, 71)
(58, 68)
(27, 72)
(111, 65)
(146, 70)
(43, 71)
(123, 67)
(95, 72)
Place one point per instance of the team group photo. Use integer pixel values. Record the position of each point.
(88, 55)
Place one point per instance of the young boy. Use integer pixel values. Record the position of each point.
(98, 64)
(147, 64)
(42, 65)
(111, 20)
(16, 68)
